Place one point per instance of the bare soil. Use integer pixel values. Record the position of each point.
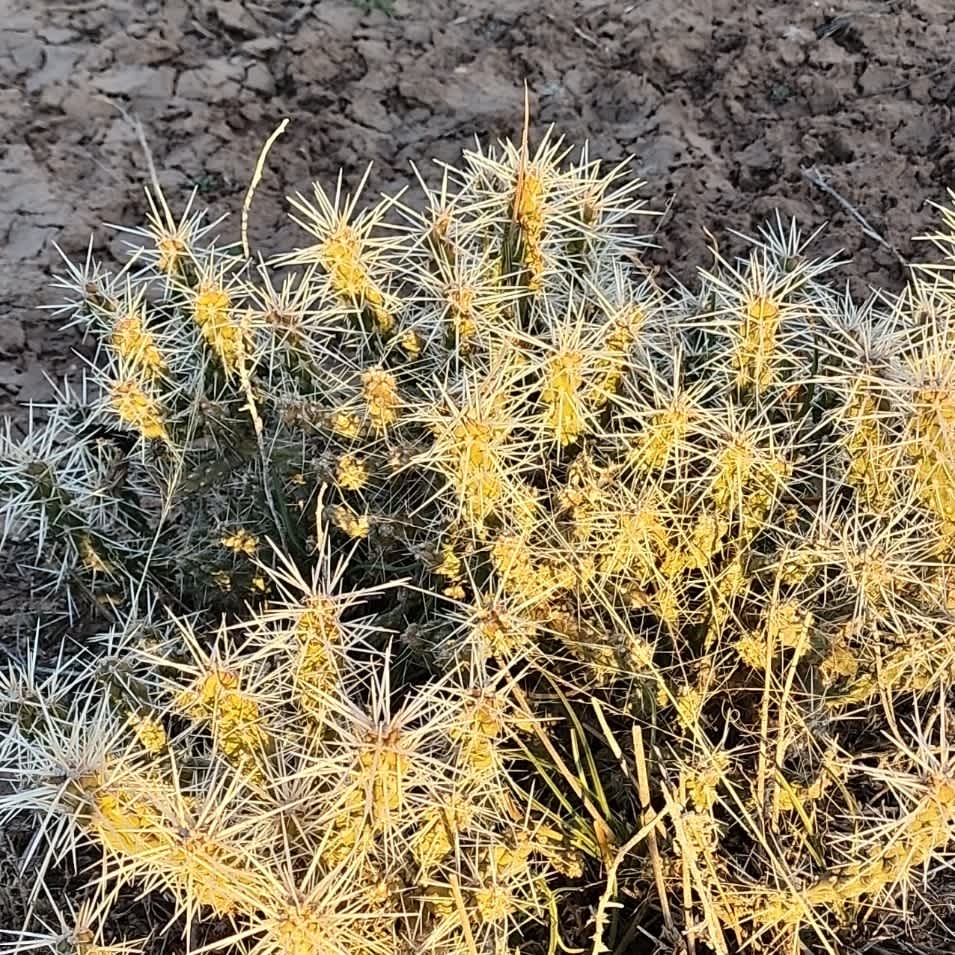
(722, 103)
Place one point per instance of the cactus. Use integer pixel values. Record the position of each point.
(386, 554)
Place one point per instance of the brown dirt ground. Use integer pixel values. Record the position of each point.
(722, 104)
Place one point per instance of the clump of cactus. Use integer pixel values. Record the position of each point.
(450, 585)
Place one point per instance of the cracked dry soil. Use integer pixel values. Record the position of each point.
(722, 103)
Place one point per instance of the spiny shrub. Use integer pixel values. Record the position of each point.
(449, 585)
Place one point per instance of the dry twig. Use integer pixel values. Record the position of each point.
(815, 177)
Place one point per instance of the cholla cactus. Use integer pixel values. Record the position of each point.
(422, 496)
(273, 777)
